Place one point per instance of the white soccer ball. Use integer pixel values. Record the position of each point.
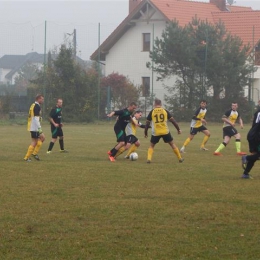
(133, 156)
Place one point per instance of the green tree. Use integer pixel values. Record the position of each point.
(64, 78)
(207, 61)
(123, 92)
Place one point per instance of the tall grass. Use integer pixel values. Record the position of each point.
(79, 205)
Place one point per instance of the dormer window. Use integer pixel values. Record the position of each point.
(146, 41)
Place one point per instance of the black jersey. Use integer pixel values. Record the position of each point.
(124, 117)
(55, 114)
(254, 132)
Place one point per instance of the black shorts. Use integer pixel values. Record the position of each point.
(131, 139)
(254, 147)
(35, 135)
(229, 131)
(56, 131)
(120, 135)
(194, 131)
(166, 138)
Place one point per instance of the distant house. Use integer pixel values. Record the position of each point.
(10, 65)
(126, 50)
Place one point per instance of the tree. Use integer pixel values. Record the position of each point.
(123, 92)
(64, 78)
(206, 59)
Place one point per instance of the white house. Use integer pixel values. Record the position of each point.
(126, 50)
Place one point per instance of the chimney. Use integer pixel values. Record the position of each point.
(221, 4)
(133, 4)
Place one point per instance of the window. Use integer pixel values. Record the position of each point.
(146, 41)
(145, 86)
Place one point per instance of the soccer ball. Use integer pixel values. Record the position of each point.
(133, 156)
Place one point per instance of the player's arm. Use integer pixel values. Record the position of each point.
(115, 113)
(241, 122)
(147, 125)
(173, 121)
(51, 118)
(226, 120)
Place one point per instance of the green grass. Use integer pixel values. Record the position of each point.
(79, 205)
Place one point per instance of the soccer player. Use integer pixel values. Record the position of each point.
(229, 130)
(34, 126)
(198, 123)
(56, 127)
(157, 118)
(253, 138)
(123, 118)
(131, 140)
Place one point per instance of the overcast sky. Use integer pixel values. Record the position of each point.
(22, 23)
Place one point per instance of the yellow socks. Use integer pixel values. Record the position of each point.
(187, 141)
(238, 146)
(29, 152)
(120, 151)
(177, 152)
(132, 149)
(221, 146)
(150, 154)
(37, 147)
(205, 139)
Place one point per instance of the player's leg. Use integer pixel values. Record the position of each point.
(54, 134)
(193, 132)
(134, 144)
(205, 139)
(38, 146)
(227, 133)
(238, 144)
(168, 139)
(61, 140)
(31, 147)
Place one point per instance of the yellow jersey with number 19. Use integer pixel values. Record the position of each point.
(158, 118)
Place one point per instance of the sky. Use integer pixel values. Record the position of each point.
(25, 26)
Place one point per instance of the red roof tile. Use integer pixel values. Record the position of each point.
(245, 24)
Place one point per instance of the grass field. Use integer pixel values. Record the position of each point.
(79, 205)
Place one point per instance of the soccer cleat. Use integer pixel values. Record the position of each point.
(181, 160)
(217, 153)
(111, 158)
(109, 153)
(148, 161)
(36, 157)
(204, 149)
(244, 161)
(246, 176)
(64, 151)
(49, 152)
(241, 153)
(27, 160)
(126, 157)
(182, 150)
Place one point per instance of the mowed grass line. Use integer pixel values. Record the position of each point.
(79, 205)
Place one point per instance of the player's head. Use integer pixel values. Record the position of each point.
(59, 102)
(157, 102)
(138, 114)
(203, 103)
(132, 107)
(234, 106)
(39, 98)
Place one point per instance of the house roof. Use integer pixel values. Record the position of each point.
(244, 24)
(15, 62)
(183, 11)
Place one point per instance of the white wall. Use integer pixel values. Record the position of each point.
(127, 58)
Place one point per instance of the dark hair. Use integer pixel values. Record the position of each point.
(138, 112)
(38, 96)
(204, 101)
(132, 104)
(158, 102)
